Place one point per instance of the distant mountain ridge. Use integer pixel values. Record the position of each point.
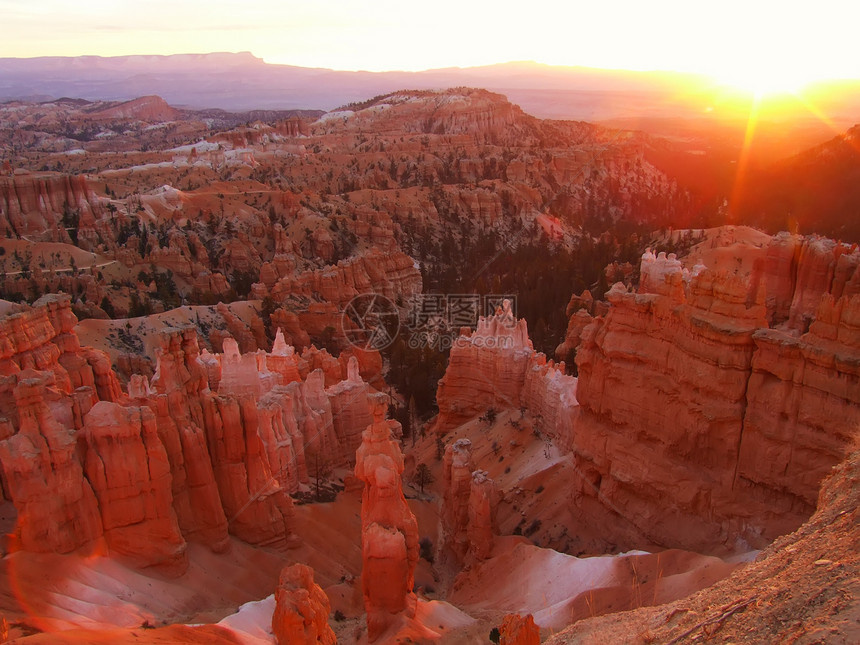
(242, 81)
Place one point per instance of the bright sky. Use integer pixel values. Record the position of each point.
(759, 44)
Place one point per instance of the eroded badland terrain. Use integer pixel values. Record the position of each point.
(421, 369)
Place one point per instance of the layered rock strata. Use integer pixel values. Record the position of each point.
(211, 445)
(692, 423)
(468, 506)
(389, 530)
(301, 609)
(734, 420)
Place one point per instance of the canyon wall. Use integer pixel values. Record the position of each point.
(211, 445)
(34, 206)
(693, 423)
(699, 425)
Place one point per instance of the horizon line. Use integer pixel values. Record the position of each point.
(262, 59)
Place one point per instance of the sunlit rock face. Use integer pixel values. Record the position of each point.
(698, 424)
(42, 473)
(48, 384)
(709, 404)
(519, 630)
(127, 466)
(389, 530)
(211, 445)
(497, 367)
(301, 609)
(795, 272)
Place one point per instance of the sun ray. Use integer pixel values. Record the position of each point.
(743, 163)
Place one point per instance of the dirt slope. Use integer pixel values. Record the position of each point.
(803, 589)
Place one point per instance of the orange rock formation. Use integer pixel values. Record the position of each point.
(677, 391)
(128, 468)
(519, 630)
(671, 421)
(389, 529)
(301, 609)
(211, 444)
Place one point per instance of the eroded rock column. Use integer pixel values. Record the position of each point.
(129, 471)
(301, 609)
(389, 529)
(457, 479)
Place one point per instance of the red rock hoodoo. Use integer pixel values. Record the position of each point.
(212, 445)
(468, 506)
(301, 609)
(389, 530)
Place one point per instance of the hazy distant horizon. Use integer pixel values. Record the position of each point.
(765, 45)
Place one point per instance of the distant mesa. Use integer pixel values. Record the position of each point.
(203, 81)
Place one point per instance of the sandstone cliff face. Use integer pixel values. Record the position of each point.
(389, 274)
(457, 469)
(389, 529)
(48, 384)
(796, 271)
(666, 383)
(483, 498)
(468, 507)
(42, 475)
(580, 313)
(699, 425)
(211, 444)
(497, 367)
(351, 410)
(301, 609)
(42, 338)
(33, 205)
(803, 402)
(519, 630)
(128, 468)
(692, 423)
(174, 396)
(486, 369)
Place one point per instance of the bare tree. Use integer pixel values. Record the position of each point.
(423, 476)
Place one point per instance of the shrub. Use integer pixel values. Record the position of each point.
(425, 549)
